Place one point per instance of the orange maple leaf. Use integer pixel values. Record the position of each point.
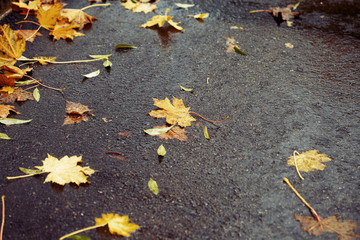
(5, 110)
(345, 229)
(48, 18)
(65, 31)
(77, 17)
(10, 74)
(12, 45)
(174, 113)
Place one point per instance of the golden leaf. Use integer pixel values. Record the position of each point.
(160, 21)
(65, 31)
(5, 110)
(332, 224)
(8, 89)
(117, 224)
(175, 132)
(201, 16)
(77, 17)
(309, 161)
(48, 18)
(12, 45)
(65, 170)
(52, 59)
(139, 6)
(174, 113)
(26, 7)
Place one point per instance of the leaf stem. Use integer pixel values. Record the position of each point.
(208, 119)
(37, 30)
(296, 167)
(95, 5)
(75, 61)
(38, 82)
(302, 199)
(263, 10)
(23, 176)
(3, 217)
(82, 230)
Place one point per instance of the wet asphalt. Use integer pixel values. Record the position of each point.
(229, 187)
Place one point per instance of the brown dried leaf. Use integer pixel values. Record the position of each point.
(9, 74)
(29, 35)
(126, 134)
(175, 132)
(5, 110)
(19, 95)
(74, 118)
(345, 229)
(77, 17)
(76, 113)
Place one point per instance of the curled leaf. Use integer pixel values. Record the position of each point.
(36, 94)
(206, 134)
(153, 186)
(186, 89)
(122, 45)
(158, 131)
(161, 150)
(92, 74)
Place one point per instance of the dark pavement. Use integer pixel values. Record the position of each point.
(229, 187)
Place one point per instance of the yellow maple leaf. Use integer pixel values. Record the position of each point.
(117, 224)
(48, 18)
(65, 170)
(65, 31)
(12, 45)
(8, 89)
(139, 6)
(174, 113)
(160, 21)
(39, 59)
(77, 17)
(309, 161)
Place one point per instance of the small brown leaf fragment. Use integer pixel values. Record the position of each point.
(121, 158)
(125, 134)
(345, 229)
(29, 35)
(175, 132)
(19, 95)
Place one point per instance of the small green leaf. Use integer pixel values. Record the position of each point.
(118, 46)
(161, 150)
(92, 74)
(107, 63)
(79, 237)
(239, 51)
(153, 186)
(30, 171)
(206, 134)
(4, 136)
(158, 131)
(11, 121)
(100, 56)
(186, 89)
(36, 94)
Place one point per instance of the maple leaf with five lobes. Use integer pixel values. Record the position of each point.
(27, 7)
(12, 45)
(174, 113)
(160, 21)
(48, 18)
(65, 31)
(309, 161)
(65, 170)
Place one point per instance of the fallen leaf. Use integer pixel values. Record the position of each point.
(345, 229)
(289, 45)
(152, 184)
(29, 35)
(174, 113)
(124, 134)
(65, 170)
(158, 131)
(160, 21)
(39, 59)
(237, 50)
(12, 121)
(19, 95)
(123, 45)
(49, 17)
(64, 31)
(184, 5)
(281, 14)
(107, 64)
(26, 8)
(4, 136)
(100, 56)
(92, 74)
(206, 134)
(79, 237)
(77, 17)
(10, 74)
(8, 89)
(12, 45)
(5, 110)
(30, 171)
(36, 94)
(309, 161)
(175, 132)
(161, 151)
(200, 16)
(140, 6)
(117, 224)
(186, 89)
(76, 113)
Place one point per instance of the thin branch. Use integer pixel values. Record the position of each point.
(3, 217)
(24, 176)
(38, 82)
